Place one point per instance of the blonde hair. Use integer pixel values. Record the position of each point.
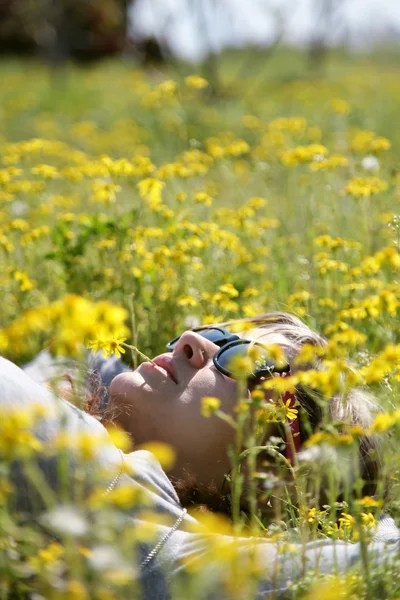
(354, 408)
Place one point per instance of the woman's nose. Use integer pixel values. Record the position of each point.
(195, 348)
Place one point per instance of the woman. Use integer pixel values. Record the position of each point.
(162, 402)
(162, 561)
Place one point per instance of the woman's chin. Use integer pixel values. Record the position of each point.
(122, 393)
(125, 388)
(123, 384)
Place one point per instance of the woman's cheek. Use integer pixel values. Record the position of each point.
(209, 384)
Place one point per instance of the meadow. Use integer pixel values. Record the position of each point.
(137, 203)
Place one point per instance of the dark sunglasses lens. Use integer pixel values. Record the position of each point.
(214, 335)
(171, 345)
(226, 358)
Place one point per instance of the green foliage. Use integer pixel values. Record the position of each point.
(274, 191)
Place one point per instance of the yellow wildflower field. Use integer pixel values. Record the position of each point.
(203, 204)
(138, 203)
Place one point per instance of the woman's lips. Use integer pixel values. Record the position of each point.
(165, 364)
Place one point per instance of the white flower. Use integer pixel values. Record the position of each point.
(65, 519)
(322, 454)
(370, 163)
(192, 321)
(107, 559)
(18, 208)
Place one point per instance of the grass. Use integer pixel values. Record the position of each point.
(271, 188)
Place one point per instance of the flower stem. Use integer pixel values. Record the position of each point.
(134, 329)
(147, 358)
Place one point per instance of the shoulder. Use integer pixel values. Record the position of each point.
(147, 471)
(18, 391)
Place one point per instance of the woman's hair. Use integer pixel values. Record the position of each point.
(354, 408)
(291, 334)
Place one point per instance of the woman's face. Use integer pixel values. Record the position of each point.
(163, 403)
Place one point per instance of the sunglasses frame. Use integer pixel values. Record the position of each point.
(262, 372)
(225, 339)
(230, 340)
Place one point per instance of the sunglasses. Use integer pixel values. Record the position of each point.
(233, 348)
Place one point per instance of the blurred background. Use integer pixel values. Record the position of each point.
(193, 30)
(198, 145)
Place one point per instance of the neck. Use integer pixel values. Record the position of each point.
(214, 496)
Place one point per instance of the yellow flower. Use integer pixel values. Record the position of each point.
(340, 106)
(187, 301)
(312, 515)
(213, 523)
(106, 244)
(302, 296)
(6, 244)
(346, 520)
(26, 284)
(256, 202)
(268, 413)
(241, 366)
(237, 148)
(290, 412)
(325, 265)
(52, 553)
(181, 197)
(365, 142)
(19, 224)
(105, 191)
(209, 406)
(3, 342)
(196, 82)
(203, 198)
(282, 384)
(335, 588)
(328, 303)
(108, 346)
(137, 273)
(119, 438)
(229, 290)
(122, 496)
(16, 437)
(164, 453)
(325, 437)
(86, 445)
(382, 422)
(292, 124)
(45, 171)
(368, 502)
(150, 189)
(302, 154)
(76, 590)
(331, 162)
(364, 187)
(350, 337)
(368, 520)
(167, 87)
(250, 292)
